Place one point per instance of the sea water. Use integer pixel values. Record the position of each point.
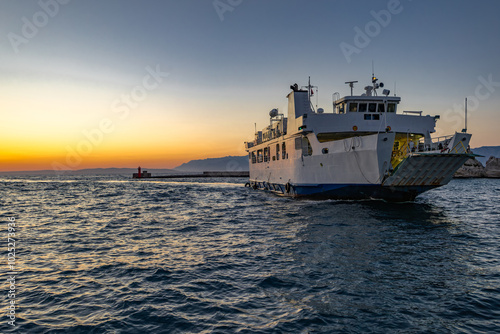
(116, 255)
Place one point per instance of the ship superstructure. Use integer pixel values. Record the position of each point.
(365, 148)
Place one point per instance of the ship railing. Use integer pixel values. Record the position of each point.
(270, 135)
(441, 144)
(436, 144)
(249, 145)
(441, 138)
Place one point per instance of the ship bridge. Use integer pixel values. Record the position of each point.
(369, 104)
(355, 116)
(358, 116)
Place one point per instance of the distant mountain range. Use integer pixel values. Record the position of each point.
(487, 151)
(225, 164)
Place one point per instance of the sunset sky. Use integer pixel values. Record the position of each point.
(122, 83)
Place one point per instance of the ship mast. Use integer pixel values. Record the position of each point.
(309, 87)
(465, 129)
(310, 92)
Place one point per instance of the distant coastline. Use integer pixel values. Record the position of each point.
(471, 169)
(90, 171)
(224, 164)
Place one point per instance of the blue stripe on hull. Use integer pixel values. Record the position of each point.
(346, 191)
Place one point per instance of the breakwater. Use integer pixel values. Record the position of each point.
(146, 175)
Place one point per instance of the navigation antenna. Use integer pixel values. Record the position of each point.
(377, 86)
(351, 84)
(310, 92)
(374, 82)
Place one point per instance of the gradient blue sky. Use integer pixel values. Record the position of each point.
(225, 75)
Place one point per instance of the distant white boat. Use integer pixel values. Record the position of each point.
(363, 149)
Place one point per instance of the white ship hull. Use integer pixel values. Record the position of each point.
(356, 168)
(358, 160)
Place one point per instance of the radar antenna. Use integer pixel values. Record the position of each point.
(351, 84)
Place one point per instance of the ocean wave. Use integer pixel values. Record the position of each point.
(116, 255)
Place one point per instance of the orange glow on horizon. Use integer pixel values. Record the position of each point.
(25, 158)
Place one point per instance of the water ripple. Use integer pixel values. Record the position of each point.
(103, 254)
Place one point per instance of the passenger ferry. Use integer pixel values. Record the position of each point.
(364, 149)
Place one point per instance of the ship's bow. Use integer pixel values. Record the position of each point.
(421, 172)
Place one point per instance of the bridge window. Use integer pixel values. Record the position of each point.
(283, 151)
(391, 107)
(277, 151)
(260, 157)
(362, 107)
(374, 117)
(353, 107)
(381, 107)
(372, 107)
(254, 158)
(266, 154)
